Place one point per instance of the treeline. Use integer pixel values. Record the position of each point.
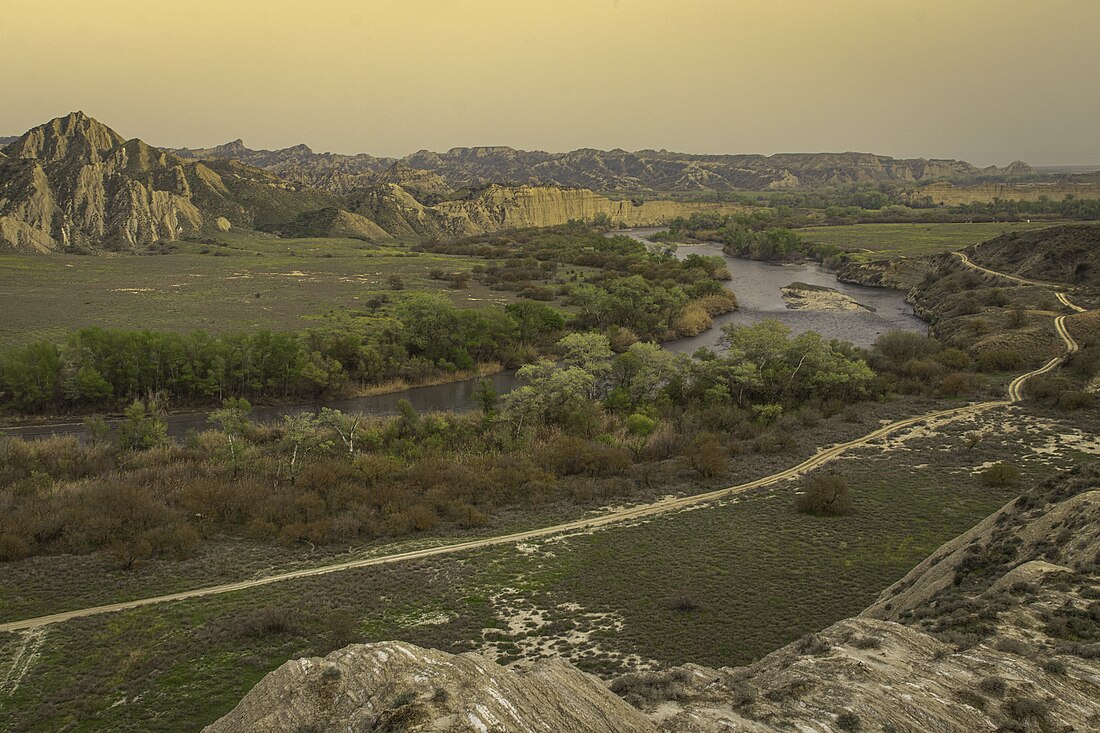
(594, 428)
(98, 368)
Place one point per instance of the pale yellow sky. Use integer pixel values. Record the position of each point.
(985, 80)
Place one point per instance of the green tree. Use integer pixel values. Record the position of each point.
(141, 427)
(233, 419)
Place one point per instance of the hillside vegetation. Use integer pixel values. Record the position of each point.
(1065, 254)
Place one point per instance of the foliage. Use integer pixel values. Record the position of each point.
(825, 494)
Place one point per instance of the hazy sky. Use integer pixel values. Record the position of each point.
(985, 80)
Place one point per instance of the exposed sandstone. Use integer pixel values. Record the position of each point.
(499, 207)
(950, 194)
(392, 686)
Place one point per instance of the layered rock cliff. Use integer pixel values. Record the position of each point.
(999, 630)
(949, 194)
(497, 208)
(74, 182)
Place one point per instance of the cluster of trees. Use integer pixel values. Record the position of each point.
(591, 428)
(761, 235)
(99, 368)
(652, 294)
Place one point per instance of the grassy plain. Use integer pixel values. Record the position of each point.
(244, 282)
(887, 241)
(723, 584)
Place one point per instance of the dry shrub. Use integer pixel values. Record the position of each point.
(693, 320)
(265, 621)
(706, 455)
(664, 442)
(825, 494)
(1001, 475)
(718, 303)
(566, 455)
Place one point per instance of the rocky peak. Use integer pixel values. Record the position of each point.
(75, 138)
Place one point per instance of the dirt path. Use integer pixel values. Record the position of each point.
(1066, 302)
(1022, 280)
(1015, 394)
(26, 649)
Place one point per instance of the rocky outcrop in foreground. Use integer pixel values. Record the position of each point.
(393, 686)
(999, 630)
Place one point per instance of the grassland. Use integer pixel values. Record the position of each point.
(723, 584)
(887, 241)
(243, 282)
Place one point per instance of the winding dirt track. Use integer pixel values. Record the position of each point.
(1015, 394)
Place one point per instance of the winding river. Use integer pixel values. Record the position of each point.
(757, 285)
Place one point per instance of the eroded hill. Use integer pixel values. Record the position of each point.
(608, 170)
(75, 183)
(1063, 254)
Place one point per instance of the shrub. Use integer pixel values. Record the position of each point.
(266, 621)
(825, 494)
(994, 686)
(1054, 666)
(1001, 475)
(706, 456)
(848, 721)
(999, 360)
(1026, 708)
(867, 642)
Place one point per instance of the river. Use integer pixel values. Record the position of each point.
(757, 285)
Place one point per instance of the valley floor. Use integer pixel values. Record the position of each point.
(726, 583)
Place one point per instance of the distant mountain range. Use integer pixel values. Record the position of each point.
(607, 170)
(76, 184)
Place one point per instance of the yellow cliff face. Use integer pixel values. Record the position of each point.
(500, 208)
(949, 194)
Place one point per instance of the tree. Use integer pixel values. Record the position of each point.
(643, 371)
(29, 376)
(534, 321)
(233, 419)
(300, 433)
(346, 426)
(585, 350)
(87, 385)
(141, 428)
(486, 396)
(825, 494)
(550, 394)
